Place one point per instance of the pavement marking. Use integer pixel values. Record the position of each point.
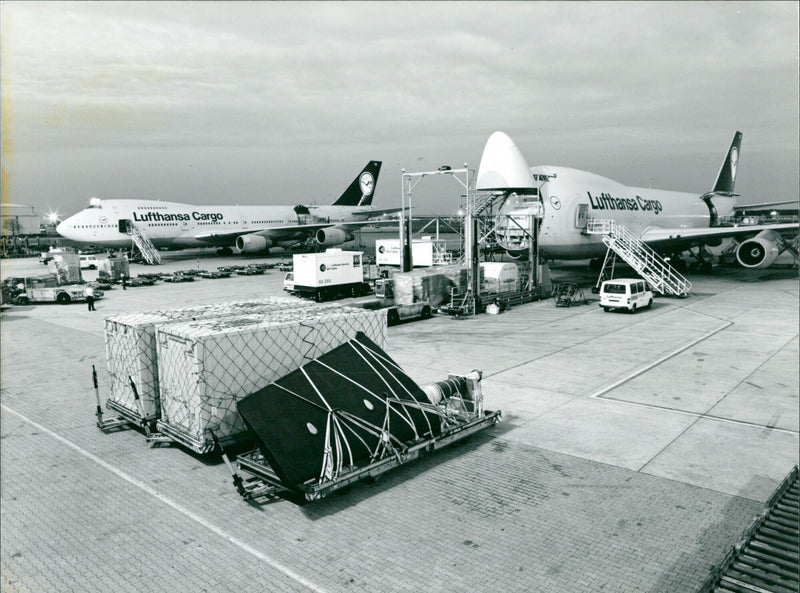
(181, 509)
(661, 360)
(602, 391)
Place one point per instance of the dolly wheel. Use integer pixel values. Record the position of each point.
(63, 298)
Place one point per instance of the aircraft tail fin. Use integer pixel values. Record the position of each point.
(727, 172)
(361, 190)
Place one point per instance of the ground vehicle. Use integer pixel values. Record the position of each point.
(288, 282)
(43, 289)
(625, 293)
(398, 313)
(330, 274)
(47, 256)
(88, 262)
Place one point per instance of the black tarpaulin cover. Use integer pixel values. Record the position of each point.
(346, 408)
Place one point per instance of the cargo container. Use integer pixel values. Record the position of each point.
(499, 277)
(425, 252)
(328, 275)
(130, 341)
(206, 366)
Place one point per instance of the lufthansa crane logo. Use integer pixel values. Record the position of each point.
(734, 161)
(555, 202)
(367, 182)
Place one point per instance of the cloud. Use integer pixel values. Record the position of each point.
(571, 82)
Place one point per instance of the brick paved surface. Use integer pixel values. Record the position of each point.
(490, 515)
(91, 512)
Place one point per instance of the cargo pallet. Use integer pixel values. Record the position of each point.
(261, 484)
(200, 446)
(127, 418)
(767, 558)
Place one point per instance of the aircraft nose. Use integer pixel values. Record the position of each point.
(61, 229)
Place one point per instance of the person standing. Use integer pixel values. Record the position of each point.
(90, 298)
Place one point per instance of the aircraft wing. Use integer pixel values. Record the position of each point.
(675, 236)
(276, 233)
(287, 232)
(376, 211)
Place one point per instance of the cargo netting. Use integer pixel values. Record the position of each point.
(130, 341)
(206, 366)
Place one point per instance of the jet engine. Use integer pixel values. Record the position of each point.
(253, 243)
(761, 251)
(331, 237)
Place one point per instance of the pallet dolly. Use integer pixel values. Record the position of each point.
(126, 419)
(259, 484)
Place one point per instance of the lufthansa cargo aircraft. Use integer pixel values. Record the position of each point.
(669, 222)
(251, 229)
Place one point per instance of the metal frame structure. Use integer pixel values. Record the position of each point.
(408, 182)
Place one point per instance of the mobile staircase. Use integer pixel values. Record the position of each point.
(144, 245)
(661, 277)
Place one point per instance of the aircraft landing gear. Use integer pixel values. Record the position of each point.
(676, 261)
(704, 259)
(224, 251)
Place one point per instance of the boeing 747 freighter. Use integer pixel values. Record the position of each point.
(251, 229)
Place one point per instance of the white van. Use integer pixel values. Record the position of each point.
(88, 262)
(625, 293)
(288, 282)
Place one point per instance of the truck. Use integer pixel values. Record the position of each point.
(327, 275)
(395, 313)
(45, 289)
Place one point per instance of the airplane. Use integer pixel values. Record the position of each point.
(251, 229)
(670, 222)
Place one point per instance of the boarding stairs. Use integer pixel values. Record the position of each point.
(661, 277)
(144, 245)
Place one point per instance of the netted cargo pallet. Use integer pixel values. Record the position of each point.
(349, 415)
(131, 352)
(431, 285)
(206, 366)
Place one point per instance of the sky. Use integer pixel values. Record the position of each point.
(284, 102)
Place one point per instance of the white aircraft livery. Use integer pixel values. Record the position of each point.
(668, 221)
(251, 229)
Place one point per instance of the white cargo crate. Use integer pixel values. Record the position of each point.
(130, 341)
(206, 366)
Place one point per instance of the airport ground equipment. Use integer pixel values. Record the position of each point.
(45, 289)
(132, 355)
(568, 294)
(661, 277)
(206, 366)
(142, 242)
(349, 415)
(329, 274)
(767, 558)
(395, 312)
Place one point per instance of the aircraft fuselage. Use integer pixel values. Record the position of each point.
(570, 196)
(175, 225)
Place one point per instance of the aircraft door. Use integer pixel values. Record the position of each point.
(582, 216)
(184, 225)
(124, 225)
